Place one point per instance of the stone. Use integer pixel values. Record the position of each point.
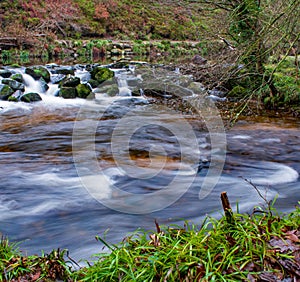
(65, 70)
(57, 78)
(102, 74)
(68, 92)
(94, 83)
(13, 84)
(83, 90)
(44, 85)
(70, 81)
(37, 72)
(5, 91)
(17, 77)
(30, 97)
(5, 73)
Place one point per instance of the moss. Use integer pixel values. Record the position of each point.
(102, 74)
(83, 90)
(37, 72)
(12, 99)
(68, 92)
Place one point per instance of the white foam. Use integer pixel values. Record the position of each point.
(243, 137)
(275, 174)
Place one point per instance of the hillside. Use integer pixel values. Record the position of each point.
(150, 19)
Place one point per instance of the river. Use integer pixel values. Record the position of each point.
(55, 154)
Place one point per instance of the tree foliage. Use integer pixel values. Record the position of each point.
(260, 33)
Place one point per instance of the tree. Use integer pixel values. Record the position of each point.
(260, 30)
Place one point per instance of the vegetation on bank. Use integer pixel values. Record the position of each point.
(262, 246)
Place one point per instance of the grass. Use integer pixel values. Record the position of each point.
(244, 248)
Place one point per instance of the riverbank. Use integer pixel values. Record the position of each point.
(261, 246)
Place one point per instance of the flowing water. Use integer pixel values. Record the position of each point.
(44, 198)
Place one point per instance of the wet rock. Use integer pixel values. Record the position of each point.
(83, 90)
(5, 73)
(30, 97)
(37, 72)
(71, 81)
(12, 98)
(64, 70)
(5, 91)
(94, 83)
(17, 77)
(13, 84)
(44, 85)
(57, 78)
(68, 92)
(102, 74)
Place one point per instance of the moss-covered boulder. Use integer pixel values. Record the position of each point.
(13, 84)
(30, 97)
(102, 74)
(5, 91)
(37, 72)
(17, 77)
(68, 92)
(70, 81)
(12, 98)
(83, 90)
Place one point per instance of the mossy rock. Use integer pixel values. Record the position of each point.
(71, 81)
(13, 84)
(17, 77)
(5, 91)
(83, 90)
(12, 99)
(102, 74)
(37, 72)
(30, 97)
(68, 92)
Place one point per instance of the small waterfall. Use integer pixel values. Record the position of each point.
(32, 85)
(123, 87)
